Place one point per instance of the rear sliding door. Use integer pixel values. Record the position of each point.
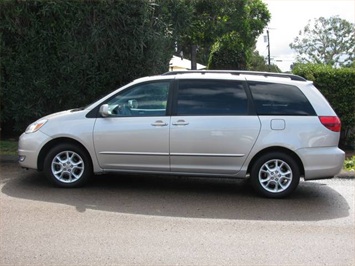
(211, 131)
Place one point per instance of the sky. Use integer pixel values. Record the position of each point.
(288, 17)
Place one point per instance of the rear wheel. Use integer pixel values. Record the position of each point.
(68, 165)
(275, 175)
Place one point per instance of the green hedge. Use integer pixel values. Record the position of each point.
(58, 55)
(338, 86)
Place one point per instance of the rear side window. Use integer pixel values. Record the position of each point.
(211, 97)
(279, 99)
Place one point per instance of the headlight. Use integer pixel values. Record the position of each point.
(36, 126)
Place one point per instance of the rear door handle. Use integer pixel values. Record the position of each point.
(159, 123)
(180, 123)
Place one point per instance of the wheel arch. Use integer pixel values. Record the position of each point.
(46, 148)
(277, 149)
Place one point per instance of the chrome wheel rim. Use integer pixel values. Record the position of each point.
(67, 166)
(275, 176)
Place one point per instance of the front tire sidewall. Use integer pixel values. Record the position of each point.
(70, 149)
(254, 175)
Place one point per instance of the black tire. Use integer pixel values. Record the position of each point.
(275, 175)
(68, 165)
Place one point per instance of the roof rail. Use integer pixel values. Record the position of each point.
(239, 72)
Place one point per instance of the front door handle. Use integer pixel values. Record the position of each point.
(159, 123)
(180, 123)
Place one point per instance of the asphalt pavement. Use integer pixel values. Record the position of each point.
(135, 220)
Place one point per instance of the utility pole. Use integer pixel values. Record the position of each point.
(193, 57)
(268, 49)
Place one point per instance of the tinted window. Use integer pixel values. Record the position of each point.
(279, 99)
(148, 99)
(211, 97)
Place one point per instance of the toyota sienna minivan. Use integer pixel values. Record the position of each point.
(271, 128)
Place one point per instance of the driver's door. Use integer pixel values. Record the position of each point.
(133, 132)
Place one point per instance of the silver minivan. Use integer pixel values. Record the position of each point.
(272, 128)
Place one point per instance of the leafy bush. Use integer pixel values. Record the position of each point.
(58, 55)
(338, 86)
(349, 164)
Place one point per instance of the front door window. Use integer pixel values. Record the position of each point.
(149, 99)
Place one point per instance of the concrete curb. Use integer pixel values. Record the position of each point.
(13, 159)
(346, 174)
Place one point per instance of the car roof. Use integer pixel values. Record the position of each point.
(239, 73)
(284, 78)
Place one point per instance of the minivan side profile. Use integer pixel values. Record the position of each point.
(271, 128)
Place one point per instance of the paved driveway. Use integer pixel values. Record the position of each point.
(135, 220)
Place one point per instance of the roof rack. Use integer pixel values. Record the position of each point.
(238, 72)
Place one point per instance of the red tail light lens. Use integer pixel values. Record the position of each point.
(331, 122)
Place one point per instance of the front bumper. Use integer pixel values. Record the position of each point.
(29, 147)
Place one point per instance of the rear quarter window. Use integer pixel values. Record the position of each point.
(279, 99)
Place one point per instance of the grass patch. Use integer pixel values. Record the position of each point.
(8, 147)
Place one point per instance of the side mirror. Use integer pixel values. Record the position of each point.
(104, 110)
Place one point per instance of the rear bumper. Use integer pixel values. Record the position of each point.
(321, 162)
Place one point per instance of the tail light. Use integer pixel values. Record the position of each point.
(331, 122)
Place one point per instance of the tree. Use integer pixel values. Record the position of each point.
(257, 63)
(228, 52)
(329, 41)
(215, 24)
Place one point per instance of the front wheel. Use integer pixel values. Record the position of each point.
(275, 175)
(68, 165)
